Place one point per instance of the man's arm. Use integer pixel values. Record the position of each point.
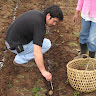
(40, 63)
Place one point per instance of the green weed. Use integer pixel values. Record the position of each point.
(76, 34)
(71, 2)
(24, 89)
(72, 43)
(61, 35)
(76, 93)
(38, 81)
(62, 41)
(16, 81)
(20, 76)
(54, 30)
(67, 81)
(36, 90)
(11, 9)
(59, 88)
(9, 85)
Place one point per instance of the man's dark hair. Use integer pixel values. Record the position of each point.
(54, 11)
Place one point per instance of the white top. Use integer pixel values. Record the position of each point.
(87, 17)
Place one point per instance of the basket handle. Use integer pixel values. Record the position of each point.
(88, 65)
(90, 61)
(84, 56)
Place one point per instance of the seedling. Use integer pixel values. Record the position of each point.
(16, 81)
(71, 2)
(75, 34)
(36, 90)
(71, 43)
(54, 30)
(11, 9)
(9, 85)
(61, 35)
(62, 41)
(76, 93)
(20, 76)
(59, 88)
(24, 89)
(66, 82)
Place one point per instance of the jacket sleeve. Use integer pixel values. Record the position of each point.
(79, 5)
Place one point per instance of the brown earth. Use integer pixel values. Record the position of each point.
(19, 81)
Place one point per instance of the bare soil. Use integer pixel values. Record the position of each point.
(20, 81)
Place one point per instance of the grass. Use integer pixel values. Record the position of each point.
(74, 44)
(76, 93)
(9, 85)
(62, 41)
(76, 34)
(35, 90)
(67, 81)
(16, 81)
(59, 88)
(54, 30)
(71, 2)
(61, 35)
(20, 76)
(15, 0)
(11, 9)
(57, 64)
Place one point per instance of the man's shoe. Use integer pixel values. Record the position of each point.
(29, 64)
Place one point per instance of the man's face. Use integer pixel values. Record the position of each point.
(51, 21)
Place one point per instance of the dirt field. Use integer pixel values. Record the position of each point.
(19, 81)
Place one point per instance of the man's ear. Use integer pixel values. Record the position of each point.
(48, 16)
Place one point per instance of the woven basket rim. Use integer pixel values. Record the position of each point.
(77, 69)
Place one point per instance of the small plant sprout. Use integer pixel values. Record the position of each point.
(61, 35)
(62, 41)
(71, 2)
(59, 88)
(76, 34)
(11, 9)
(38, 81)
(76, 93)
(72, 43)
(20, 76)
(67, 81)
(54, 30)
(9, 85)
(16, 81)
(35, 90)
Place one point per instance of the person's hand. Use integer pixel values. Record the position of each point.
(47, 75)
(75, 18)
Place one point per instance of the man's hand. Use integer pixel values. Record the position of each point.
(47, 75)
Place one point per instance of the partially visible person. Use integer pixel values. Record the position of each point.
(25, 37)
(87, 36)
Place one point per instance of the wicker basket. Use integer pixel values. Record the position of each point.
(82, 74)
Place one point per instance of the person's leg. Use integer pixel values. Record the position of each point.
(84, 33)
(83, 36)
(91, 42)
(46, 45)
(28, 53)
